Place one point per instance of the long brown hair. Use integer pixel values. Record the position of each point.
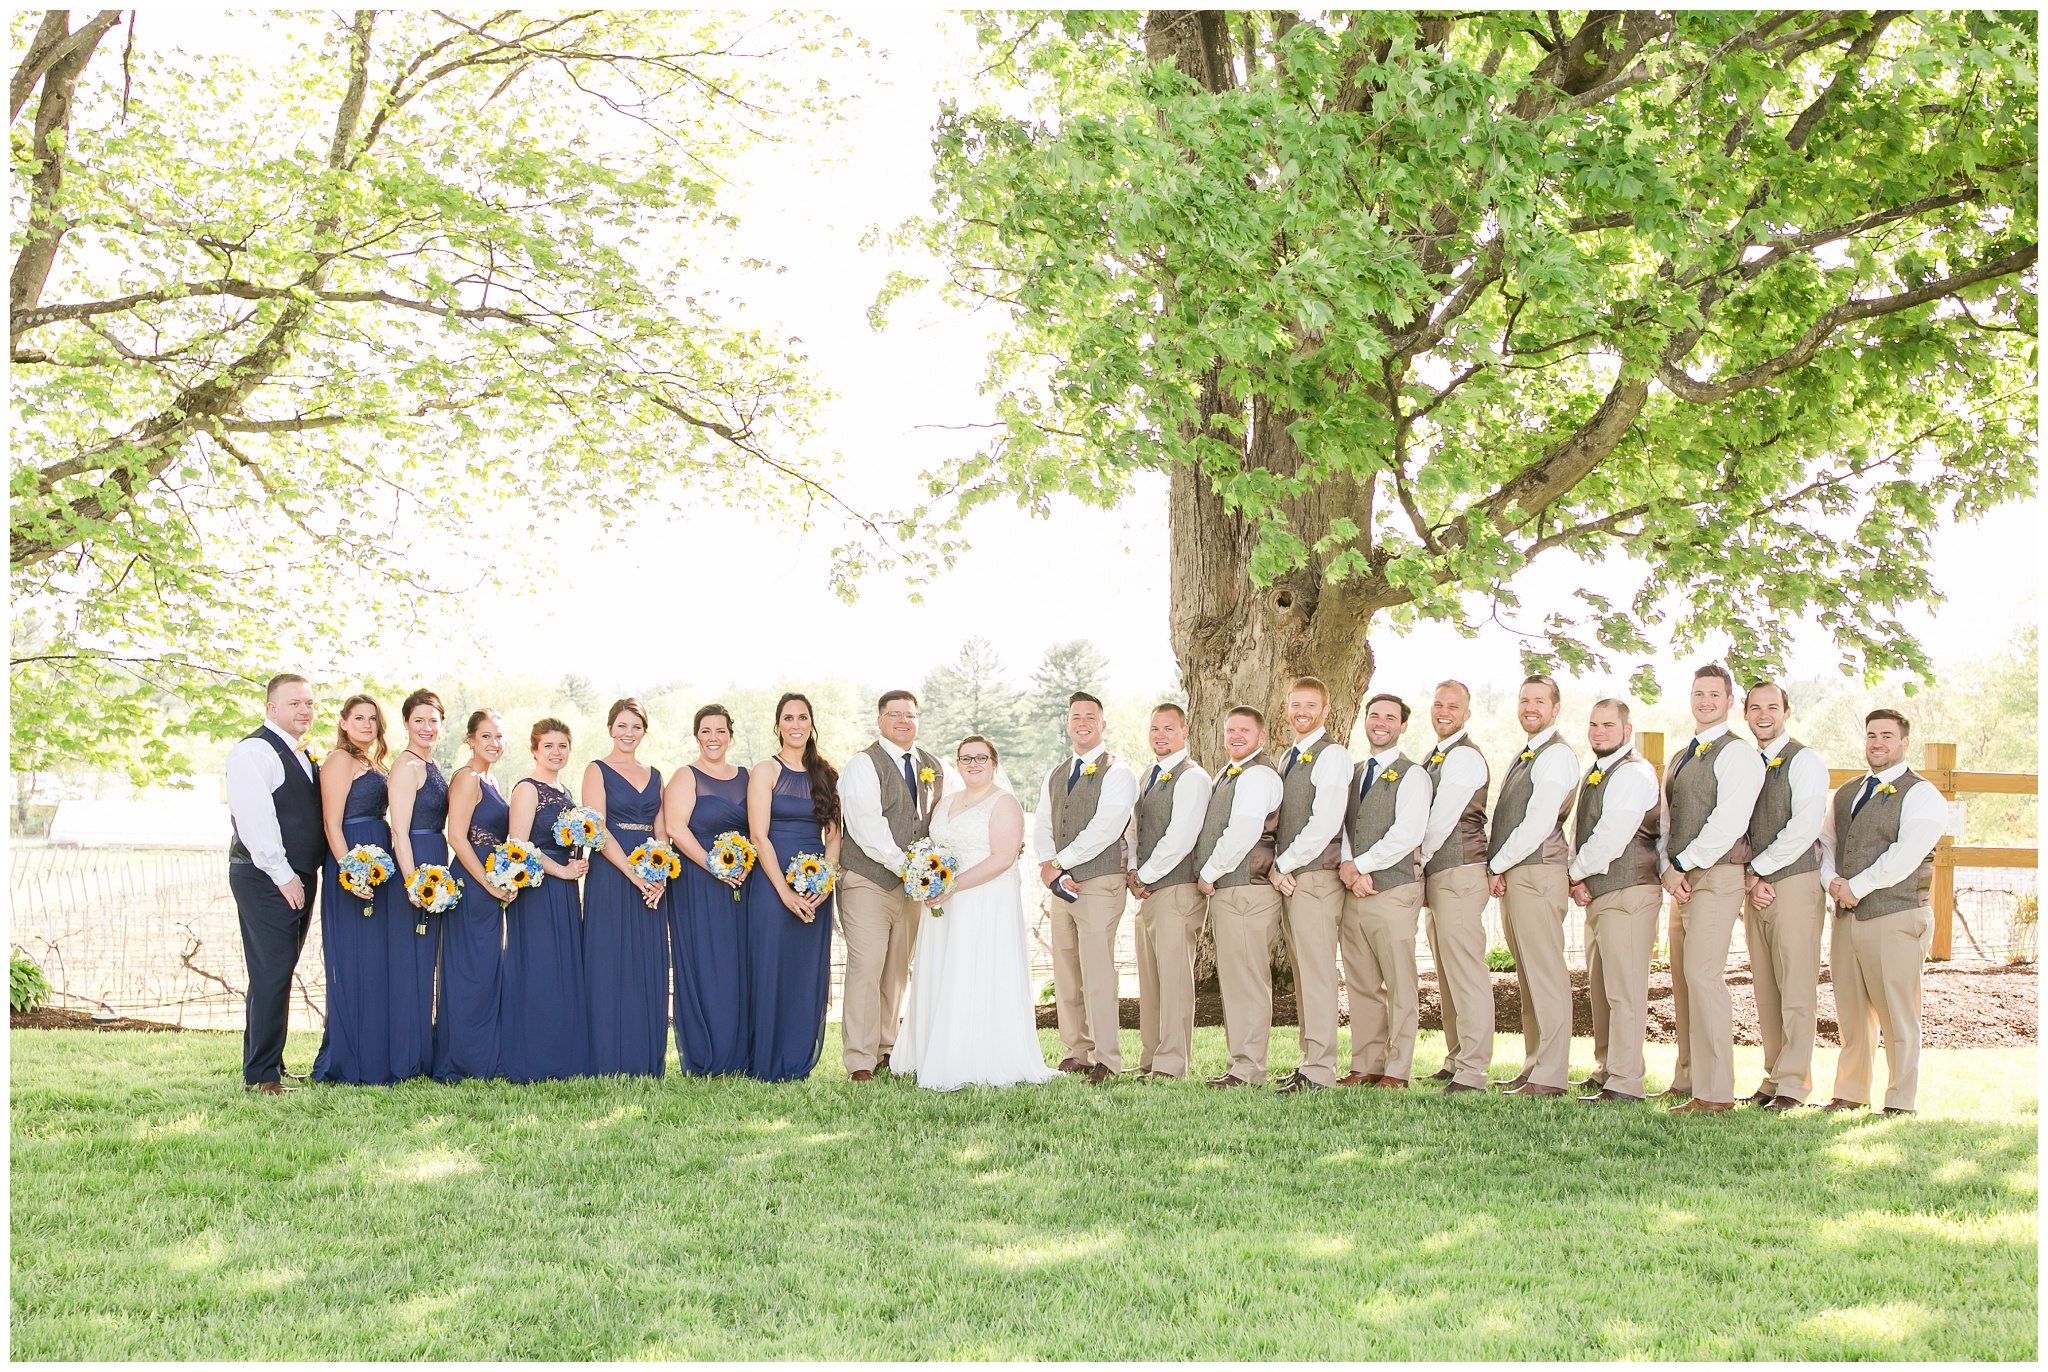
(824, 776)
(373, 760)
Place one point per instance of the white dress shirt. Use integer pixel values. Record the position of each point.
(1257, 795)
(1807, 774)
(1923, 814)
(1462, 775)
(1411, 816)
(1183, 822)
(1112, 812)
(860, 802)
(1330, 775)
(1632, 792)
(1551, 778)
(1738, 777)
(254, 772)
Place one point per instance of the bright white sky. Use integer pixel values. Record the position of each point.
(1026, 583)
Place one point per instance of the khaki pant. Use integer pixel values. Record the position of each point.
(1084, 970)
(1313, 913)
(879, 926)
(1621, 931)
(1876, 966)
(1168, 922)
(1378, 938)
(1784, 961)
(1457, 940)
(1701, 929)
(1533, 912)
(1245, 920)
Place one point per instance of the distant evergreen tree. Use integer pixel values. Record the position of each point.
(1076, 665)
(970, 695)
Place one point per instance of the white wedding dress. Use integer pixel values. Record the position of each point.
(970, 1020)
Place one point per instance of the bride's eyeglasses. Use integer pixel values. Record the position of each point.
(973, 759)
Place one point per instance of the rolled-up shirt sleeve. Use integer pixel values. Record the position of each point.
(1923, 814)
(1106, 826)
(1257, 795)
(253, 775)
(860, 803)
(1331, 780)
(1631, 794)
(1551, 778)
(1808, 779)
(1183, 823)
(1738, 777)
(1404, 835)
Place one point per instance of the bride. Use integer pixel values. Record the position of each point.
(970, 1021)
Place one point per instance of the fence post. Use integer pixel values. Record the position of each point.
(1651, 743)
(1939, 767)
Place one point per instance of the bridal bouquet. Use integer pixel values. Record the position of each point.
(514, 864)
(579, 827)
(436, 889)
(655, 861)
(928, 871)
(810, 875)
(731, 856)
(364, 868)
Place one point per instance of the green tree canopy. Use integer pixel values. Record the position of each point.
(1403, 301)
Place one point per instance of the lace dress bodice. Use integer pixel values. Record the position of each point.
(965, 835)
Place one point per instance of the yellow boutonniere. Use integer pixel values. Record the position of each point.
(925, 775)
(1165, 776)
(1390, 774)
(1778, 761)
(1232, 771)
(312, 753)
(1308, 757)
(1526, 755)
(1595, 777)
(1089, 770)
(1704, 749)
(1887, 789)
(1436, 758)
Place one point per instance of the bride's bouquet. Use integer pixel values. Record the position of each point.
(810, 875)
(436, 889)
(928, 872)
(731, 856)
(364, 868)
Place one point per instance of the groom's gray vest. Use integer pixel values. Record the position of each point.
(1073, 808)
(909, 815)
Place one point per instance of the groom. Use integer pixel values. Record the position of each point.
(886, 794)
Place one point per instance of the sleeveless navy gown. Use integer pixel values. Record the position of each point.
(709, 930)
(356, 1046)
(789, 962)
(625, 944)
(410, 954)
(543, 1016)
(473, 958)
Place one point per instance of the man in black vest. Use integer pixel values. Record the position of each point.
(274, 868)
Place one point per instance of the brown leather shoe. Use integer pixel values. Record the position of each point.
(1458, 1086)
(1763, 1095)
(269, 1088)
(862, 1075)
(1356, 1079)
(1530, 1088)
(882, 1063)
(1603, 1096)
(1298, 1083)
(1074, 1065)
(1696, 1106)
(1442, 1074)
(1160, 1076)
(1225, 1082)
(1100, 1073)
(1839, 1104)
(1671, 1091)
(1780, 1104)
(1392, 1083)
(1896, 1110)
(1511, 1084)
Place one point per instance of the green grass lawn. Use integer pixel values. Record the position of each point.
(159, 1212)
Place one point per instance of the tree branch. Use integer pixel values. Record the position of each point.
(51, 45)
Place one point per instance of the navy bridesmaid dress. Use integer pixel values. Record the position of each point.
(473, 958)
(710, 936)
(789, 962)
(355, 1045)
(625, 944)
(411, 955)
(543, 1017)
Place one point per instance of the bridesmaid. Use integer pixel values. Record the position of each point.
(543, 1016)
(708, 927)
(473, 933)
(625, 919)
(792, 807)
(419, 815)
(355, 1046)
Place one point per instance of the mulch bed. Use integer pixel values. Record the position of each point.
(49, 1017)
(1961, 1007)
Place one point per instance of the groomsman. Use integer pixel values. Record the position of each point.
(1172, 803)
(273, 868)
(1233, 863)
(1315, 791)
(1710, 795)
(1387, 810)
(1614, 876)
(1876, 856)
(887, 794)
(1527, 858)
(1786, 909)
(1454, 887)
(1083, 809)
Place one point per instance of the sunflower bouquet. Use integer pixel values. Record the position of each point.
(731, 856)
(928, 872)
(364, 868)
(435, 889)
(810, 875)
(513, 864)
(579, 828)
(655, 861)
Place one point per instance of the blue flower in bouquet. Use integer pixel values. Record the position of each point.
(810, 875)
(731, 858)
(434, 890)
(928, 872)
(364, 868)
(655, 861)
(579, 827)
(513, 865)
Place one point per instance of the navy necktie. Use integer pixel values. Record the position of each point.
(1869, 790)
(1074, 775)
(1372, 769)
(909, 777)
(1152, 780)
(1691, 751)
(1293, 756)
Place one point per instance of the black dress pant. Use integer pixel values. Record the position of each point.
(273, 936)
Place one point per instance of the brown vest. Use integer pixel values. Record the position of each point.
(1258, 863)
(1690, 790)
(1297, 798)
(1863, 840)
(1465, 845)
(1637, 864)
(1370, 814)
(1516, 790)
(1774, 812)
(1072, 809)
(1155, 812)
(909, 816)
